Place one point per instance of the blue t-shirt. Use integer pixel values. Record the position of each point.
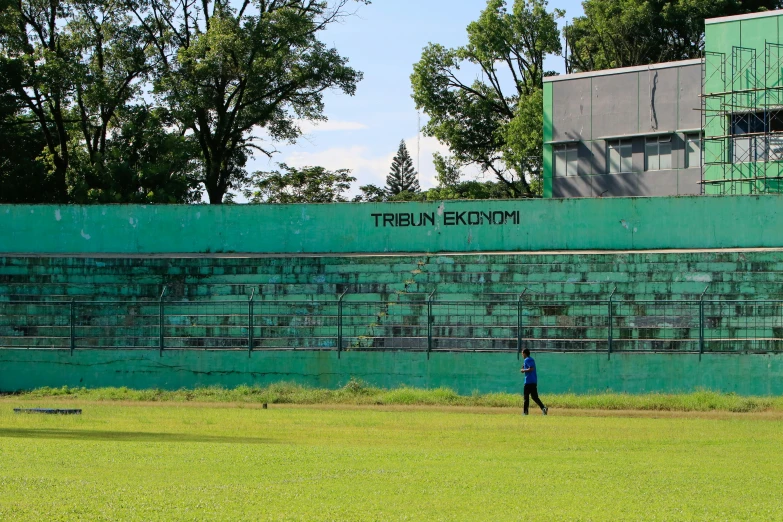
(530, 377)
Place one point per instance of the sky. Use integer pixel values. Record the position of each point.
(384, 40)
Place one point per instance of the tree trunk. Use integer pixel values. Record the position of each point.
(215, 189)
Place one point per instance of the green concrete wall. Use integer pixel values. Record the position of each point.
(452, 226)
(463, 372)
(751, 33)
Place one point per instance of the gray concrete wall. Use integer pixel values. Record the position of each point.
(571, 104)
(615, 104)
(628, 103)
(690, 101)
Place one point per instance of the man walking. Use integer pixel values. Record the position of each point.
(531, 383)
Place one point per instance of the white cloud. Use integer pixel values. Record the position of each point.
(365, 167)
(329, 126)
(368, 168)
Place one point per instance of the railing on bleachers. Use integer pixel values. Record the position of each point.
(417, 322)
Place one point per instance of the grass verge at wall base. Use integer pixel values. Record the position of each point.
(356, 392)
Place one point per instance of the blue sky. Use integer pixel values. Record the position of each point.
(384, 40)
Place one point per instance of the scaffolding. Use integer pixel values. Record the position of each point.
(742, 122)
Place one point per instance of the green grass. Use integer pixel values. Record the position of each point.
(356, 392)
(176, 461)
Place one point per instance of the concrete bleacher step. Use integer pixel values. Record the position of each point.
(476, 299)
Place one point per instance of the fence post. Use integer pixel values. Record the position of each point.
(72, 324)
(611, 323)
(519, 323)
(340, 323)
(161, 323)
(429, 323)
(250, 322)
(701, 322)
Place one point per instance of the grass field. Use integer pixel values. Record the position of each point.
(201, 461)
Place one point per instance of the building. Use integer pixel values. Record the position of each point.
(708, 126)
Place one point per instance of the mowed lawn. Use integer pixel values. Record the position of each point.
(224, 462)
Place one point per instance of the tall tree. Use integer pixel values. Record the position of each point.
(108, 82)
(228, 69)
(623, 33)
(76, 70)
(488, 122)
(294, 185)
(402, 176)
(23, 177)
(43, 60)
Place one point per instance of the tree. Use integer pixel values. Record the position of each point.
(446, 170)
(623, 33)
(23, 177)
(145, 163)
(107, 84)
(75, 71)
(228, 69)
(370, 194)
(468, 190)
(402, 176)
(41, 61)
(305, 185)
(486, 122)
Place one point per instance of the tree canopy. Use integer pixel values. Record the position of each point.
(623, 33)
(231, 69)
(299, 185)
(493, 121)
(157, 100)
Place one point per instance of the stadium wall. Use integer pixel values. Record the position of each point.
(452, 226)
(573, 248)
(463, 372)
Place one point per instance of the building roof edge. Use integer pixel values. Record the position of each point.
(622, 70)
(735, 18)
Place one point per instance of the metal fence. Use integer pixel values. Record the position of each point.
(411, 322)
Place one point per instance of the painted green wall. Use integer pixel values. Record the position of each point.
(575, 224)
(463, 372)
(751, 33)
(744, 64)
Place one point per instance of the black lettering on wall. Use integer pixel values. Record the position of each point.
(467, 217)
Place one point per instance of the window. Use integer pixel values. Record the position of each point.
(566, 160)
(692, 151)
(763, 141)
(620, 156)
(658, 153)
